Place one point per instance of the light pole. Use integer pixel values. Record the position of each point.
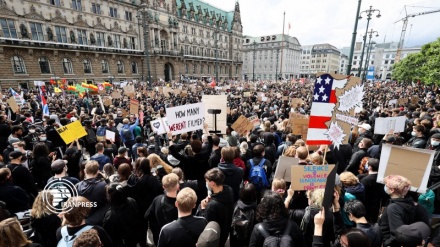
(216, 55)
(367, 60)
(253, 63)
(369, 13)
(353, 39)
(146, 28)
(276, 67)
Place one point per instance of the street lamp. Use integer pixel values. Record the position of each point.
(276, 66)
(353, 38)
(216, 55)
(253, 63)
(111, 78)
(367, 60)
(145, 26)
(369, 13)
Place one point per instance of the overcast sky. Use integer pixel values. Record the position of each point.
(332, 21)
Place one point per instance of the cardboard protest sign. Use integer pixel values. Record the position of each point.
(110, 135)
(382, 126)
(414, 100)
(310, 177)
(300, 127)
(242, 125)
(129, 90)
(254, 120)
(186, 118)
(116, 95)
(402, 101)
(166, 91)
(296, 101)
(184, 93)
(412, 163)
(107, 101)
(177, 91)
(160, 126)
(13, 104)
(71, 132)
(247, 94)
(284, 169)
(216, 102)
(134, 106)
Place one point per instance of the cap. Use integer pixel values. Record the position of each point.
(15, 154)
(436, 136)
(58, 164)
(70, 151)
(365, 126)
(122, 150)
(13, 140)
(412, 235)
(32, 126)
(210, 236)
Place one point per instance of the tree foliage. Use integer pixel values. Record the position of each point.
(423, 66)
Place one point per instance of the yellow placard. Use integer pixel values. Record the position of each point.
(71, 132)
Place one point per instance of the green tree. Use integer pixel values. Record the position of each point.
(423, 66)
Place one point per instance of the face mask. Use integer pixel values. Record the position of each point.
(43, 139)
(435, 143)
(17, 149)
(385, 188)
(209, 190)
(413, 133)
(32, 131)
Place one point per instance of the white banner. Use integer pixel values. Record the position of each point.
(383, 125)
(186, 118)
(160, 126)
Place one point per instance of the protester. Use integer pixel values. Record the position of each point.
(13, 236)
(16, 199)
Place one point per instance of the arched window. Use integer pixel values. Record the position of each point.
(67, 66)
(134, 68)
(120, 66)
(87, 66)
(104, 67)
(18, 65)
(44, 65)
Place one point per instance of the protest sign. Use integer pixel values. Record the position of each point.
(110, 135)
(296, 101)
(242, 125)
(134, 106)
(284, 169)
(382, 126)
(119, 126)
(412, 163)
(102, 104)
(392, 102)
(160, 126)
(186, 118)
(166, 91)
(107, 101)
(254, 120)
(216, 102)
(71, 132)
(116, 95)
(141, 116)
(247, 94)
(300, 127)
(402, 101)
(129, 90)
(310, 177)
(414, 100)
(13, 104)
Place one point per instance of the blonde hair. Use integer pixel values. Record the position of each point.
(76, 210)
(300, 143)
(279, 186)
(290, 151)
(399, 184)
(40, 208)
(186, 200)
(155, 161)
(348, 179)
(316, 197)
(170, 181)
(243, 148)
(178, 172)
(11, 234)
(316, 158)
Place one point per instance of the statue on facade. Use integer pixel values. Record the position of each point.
(24, 31)
(109, 41)
(125, 43)
(92, 39)
(49, 34)
(72, 37)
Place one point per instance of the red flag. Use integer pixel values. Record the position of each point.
(52, 82)
(64, 81)
(213, 83)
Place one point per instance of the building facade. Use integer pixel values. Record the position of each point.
(343, 64)
(271, 57)
(98, 40)
(306, 54)
(319, 58)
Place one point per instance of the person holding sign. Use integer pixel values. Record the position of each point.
(127, 134)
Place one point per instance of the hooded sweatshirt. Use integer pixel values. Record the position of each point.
(94, 190)
(400, 211)
(233, 177)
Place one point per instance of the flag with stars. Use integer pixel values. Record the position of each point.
(324, 102)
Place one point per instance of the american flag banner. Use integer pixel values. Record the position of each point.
(44, 105)
(323, 104)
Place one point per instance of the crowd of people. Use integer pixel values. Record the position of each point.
(204, 189)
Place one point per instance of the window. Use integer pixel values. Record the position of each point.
(82, 37)
(87, 66)
(104, 67)
(113, 12)
(100, 39)
(61, 34)
(386, 61)
(18, 65)
(67, 66)
(208, 35)
(128, 16)
(185, 29)
(134, 68)
(8, 27)
(44, 65)
(117, 40)
(201, 69)
(96, 8)
(120, 66)
(194, 68)
(37, 31)
(133, 43)
(355, 57)
(55, 2)
(193, 31)
(76, 5)
(201, 33)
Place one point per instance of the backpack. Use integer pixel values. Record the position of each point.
(278, 240)
(127, 134)
(100, 133)
(67, 240)
(257, 175)
(427, 201)
(242, 224)
(91, 136)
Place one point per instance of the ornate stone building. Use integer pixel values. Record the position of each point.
(100, 40)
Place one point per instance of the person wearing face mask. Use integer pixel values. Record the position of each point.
(418, 140)
(17, 132)
(32, 137)
(357, 157)
(9, 149)
(20, 175)
(42, 138)
(434, 176)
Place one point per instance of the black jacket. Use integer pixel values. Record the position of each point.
(355, 161)
(366, 134)
(374, 193)
(22, 177)
(175, 234)
(233, 177)
(220, 210)
(15, 197)
(339, 156)
(103, 236)
(144, 190)
(277, 227)
(42, 170)
(400, 211)
(161, 212)
(215, 158)
(123, 224)
(94, 189)
(46, 228)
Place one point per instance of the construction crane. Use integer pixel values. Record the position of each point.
(405, 24)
